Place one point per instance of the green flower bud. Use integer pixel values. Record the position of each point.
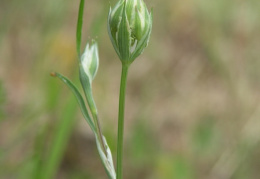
(129, 28)
(90, 61)
(87, 71)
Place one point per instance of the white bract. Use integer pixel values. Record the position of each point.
(107, 159)
(90, 61)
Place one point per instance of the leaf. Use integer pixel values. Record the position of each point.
(79, 99)
(79, 26)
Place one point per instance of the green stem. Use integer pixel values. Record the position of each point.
(119, 171)
(94, 113)
(99, 133)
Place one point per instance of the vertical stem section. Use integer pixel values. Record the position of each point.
(99, 133)
(94, 113)
(120, 137)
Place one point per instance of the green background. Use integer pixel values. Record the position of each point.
(192, 103)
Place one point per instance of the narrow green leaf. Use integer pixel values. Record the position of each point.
(79, 99)
(79, 26)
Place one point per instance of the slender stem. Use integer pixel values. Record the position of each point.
(94, 113)
(119, 171)
(100, 137)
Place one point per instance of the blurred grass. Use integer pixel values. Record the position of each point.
(60, 139)
(2, 101)
(192, 99)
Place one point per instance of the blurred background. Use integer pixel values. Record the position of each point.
(192, 104)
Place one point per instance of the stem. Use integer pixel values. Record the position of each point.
(100, 137)
(94, 113)
(119, 171)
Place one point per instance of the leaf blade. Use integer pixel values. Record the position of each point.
(79, 99)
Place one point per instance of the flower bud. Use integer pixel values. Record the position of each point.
(129, 28)
(87, 71)
(90, 61)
